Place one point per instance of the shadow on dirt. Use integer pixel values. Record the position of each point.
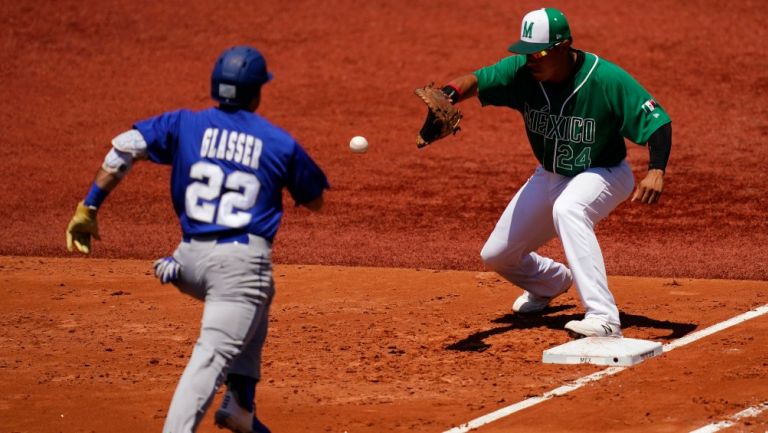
(550, 319)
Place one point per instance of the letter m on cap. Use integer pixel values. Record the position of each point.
(527, 29)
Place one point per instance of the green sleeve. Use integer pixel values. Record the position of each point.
(493, 81)
(638, 113)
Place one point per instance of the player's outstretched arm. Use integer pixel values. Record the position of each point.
(83, 226)
(126, 148)
(464, 86)
(659, 146)
(442, 116)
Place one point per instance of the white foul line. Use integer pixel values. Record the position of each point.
(746, 413)
(578, 383)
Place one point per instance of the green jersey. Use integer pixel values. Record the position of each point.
(580, 123)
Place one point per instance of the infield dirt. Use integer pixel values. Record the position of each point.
(98, 345)
(385, 320)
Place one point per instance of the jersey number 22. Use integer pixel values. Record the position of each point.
(241, 191)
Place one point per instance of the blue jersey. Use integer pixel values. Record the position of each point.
(229, 169)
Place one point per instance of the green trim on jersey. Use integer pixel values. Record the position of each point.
(580, 123)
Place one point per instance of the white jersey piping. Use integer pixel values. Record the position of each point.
(562, 107)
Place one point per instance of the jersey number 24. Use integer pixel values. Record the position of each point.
(241, 189)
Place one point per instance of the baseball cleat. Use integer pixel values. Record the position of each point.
(258, 427)
(592, 327)
(528, 303)
(234, 417)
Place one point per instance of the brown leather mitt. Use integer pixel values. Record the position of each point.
(442, 118)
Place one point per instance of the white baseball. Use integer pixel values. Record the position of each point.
(358, 144)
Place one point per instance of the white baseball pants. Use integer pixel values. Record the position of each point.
(550, 204)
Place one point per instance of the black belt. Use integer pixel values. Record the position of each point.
(240, 238)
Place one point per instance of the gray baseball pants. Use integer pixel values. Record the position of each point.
(235, 282)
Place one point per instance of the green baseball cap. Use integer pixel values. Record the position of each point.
(541, 29)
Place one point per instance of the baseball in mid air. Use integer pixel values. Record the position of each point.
(358, 144)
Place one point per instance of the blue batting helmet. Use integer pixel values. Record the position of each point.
(238, 75)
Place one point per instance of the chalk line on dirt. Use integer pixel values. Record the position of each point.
(749, 412)
(578, 383)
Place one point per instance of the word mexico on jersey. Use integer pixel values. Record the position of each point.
(232, 146)
(563, 128)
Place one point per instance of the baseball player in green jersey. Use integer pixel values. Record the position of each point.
(578, 108)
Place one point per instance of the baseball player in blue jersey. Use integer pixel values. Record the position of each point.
(228, 169)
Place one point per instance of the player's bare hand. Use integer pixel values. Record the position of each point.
(81, 228)
(649, 189)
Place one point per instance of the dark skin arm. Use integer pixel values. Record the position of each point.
(649, 189)
(466, 85)
(659, 146)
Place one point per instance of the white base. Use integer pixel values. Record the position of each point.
(602, 351)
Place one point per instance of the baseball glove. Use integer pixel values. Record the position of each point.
(442, 118)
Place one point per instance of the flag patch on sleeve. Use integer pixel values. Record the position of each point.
(649, 105)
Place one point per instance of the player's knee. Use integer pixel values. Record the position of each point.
(489, 254)
(497, 256)
(208, 358)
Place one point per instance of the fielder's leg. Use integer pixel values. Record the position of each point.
(585, 200)
(525, 225)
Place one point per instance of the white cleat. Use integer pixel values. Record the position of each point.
(233, 417)
(528, 303)
(592, 327)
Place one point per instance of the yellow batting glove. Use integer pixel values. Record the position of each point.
(80, 229)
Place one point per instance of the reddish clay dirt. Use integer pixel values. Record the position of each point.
(98, 345)
(77, 73)
(365, 337)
